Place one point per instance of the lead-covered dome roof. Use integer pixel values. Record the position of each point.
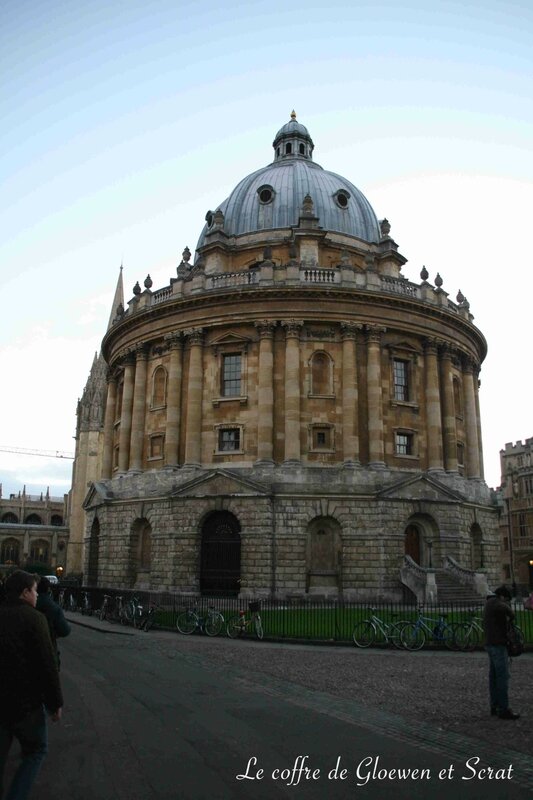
(272, 197)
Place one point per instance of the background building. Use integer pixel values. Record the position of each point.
(290, 415)
(516, 521)
(33, 530)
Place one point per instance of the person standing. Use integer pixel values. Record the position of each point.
(57, 624)
(29, 686)
(497, 617)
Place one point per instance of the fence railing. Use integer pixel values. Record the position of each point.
(298, 619)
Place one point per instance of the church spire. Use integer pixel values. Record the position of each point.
(118, 300)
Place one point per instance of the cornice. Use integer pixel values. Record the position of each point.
(260, 296)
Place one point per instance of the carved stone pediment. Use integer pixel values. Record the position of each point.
(421, 487)
(222, 483)
(231, 339)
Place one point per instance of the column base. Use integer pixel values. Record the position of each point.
(264, 462)
(349, 464)
(377, 464)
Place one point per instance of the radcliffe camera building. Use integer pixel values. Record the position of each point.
(290, 415)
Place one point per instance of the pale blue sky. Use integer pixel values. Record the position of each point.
(123, 122)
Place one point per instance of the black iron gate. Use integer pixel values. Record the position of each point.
(220, 556)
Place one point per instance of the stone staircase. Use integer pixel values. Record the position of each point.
(451, 590)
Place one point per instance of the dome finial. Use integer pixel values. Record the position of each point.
(293, 114)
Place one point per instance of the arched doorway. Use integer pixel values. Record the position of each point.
(324, 549)
(220, 555)
(412, 543)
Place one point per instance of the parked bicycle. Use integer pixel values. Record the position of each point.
(192, 620)
(469, 635)
(85, 606)
(105, 611)
(134, 611)
(72, 602)
(240, 625)
(149, 620)
(376, 631)
(61, 601)
(415, 634)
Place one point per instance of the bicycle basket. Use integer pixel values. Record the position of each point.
(254, 606)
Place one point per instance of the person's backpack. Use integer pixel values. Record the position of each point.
(515, 641)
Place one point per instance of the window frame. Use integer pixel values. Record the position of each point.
(226, 427)
(411, 441)
(316, 428)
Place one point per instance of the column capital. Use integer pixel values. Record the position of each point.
(194, 336)
(432, 344)
(373, 333)
(174, 340)
(349, 330)
(140, 351)
(469, 365)
(265, 328)
(292, 328)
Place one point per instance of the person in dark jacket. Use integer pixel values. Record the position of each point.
(29, 685)
(496, 620)
(57, 623)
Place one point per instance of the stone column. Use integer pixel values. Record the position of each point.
(471, 428)
(193, 435)
(125, 417)
(109, 426)
(433, 409)
(448, 410)
(139, 409)
(376, 447)
(172, 435)
(350, 395)
(477, 385)
(265, 393)
(292, 390)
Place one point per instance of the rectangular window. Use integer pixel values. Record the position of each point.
(404, 444)
(231, 375)
(229, 439)
(401, 379)
(156, 446)
(321, 438)
(506, 543)
(522, 524)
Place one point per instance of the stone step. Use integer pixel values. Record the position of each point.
(451, 590)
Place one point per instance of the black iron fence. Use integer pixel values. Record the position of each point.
(300, 618)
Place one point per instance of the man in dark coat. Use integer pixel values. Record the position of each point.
(57, 623)
(496, 620)
(29, 684)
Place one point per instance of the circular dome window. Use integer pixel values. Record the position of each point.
(266, 194)
(342, 198)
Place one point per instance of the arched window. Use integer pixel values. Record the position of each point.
(324, 548)
(321, 374)
(140, 558)
(302, 150)
(288, 148)
(10, 518)
(159, 388)
(39, 552)
(10, 552)
(56, 519)
(33, 519)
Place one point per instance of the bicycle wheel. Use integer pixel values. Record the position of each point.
(187, 622)
(364, 634)
(148, 622)
(413, 636)
(466, 637)
(235, 627)
(258, 626)
(395, 633)
(128, 613)
(214, 624)
(102, 613)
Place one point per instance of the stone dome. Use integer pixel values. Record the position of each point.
(272, 197)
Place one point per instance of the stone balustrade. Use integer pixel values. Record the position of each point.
(292, 274)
